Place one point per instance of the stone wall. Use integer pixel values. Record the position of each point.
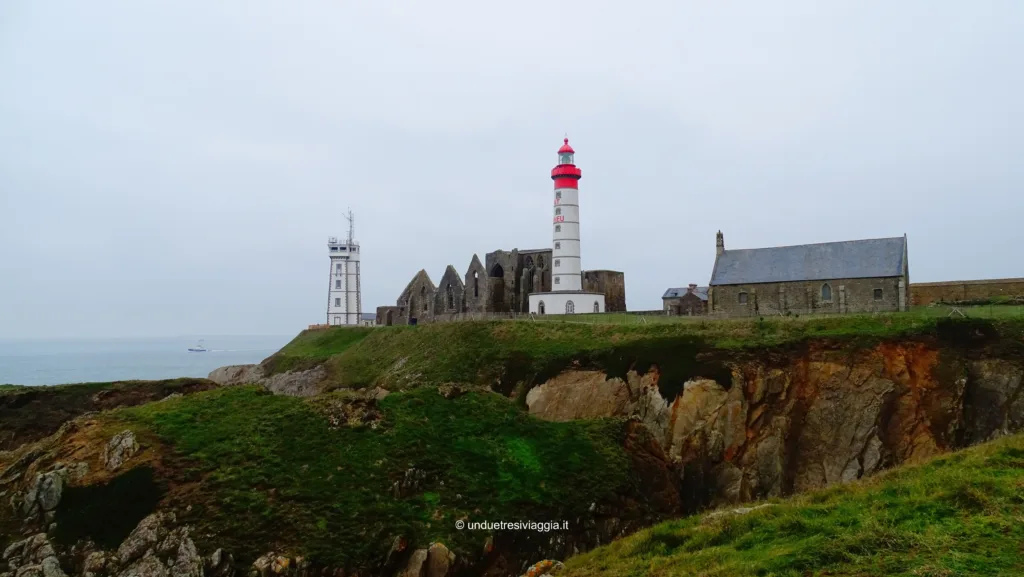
(475, 286)
(804, 297)
(926, 293)
(687, 304)
(450, 293)
(388, 316)
(611, 283)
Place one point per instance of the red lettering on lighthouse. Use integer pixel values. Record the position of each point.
(559, 218)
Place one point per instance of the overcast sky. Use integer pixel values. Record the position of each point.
(177, 167)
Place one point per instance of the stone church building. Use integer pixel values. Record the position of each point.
(839, 277)
(500, 284)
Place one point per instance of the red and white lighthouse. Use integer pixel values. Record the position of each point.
(566, 269)
(567, 295)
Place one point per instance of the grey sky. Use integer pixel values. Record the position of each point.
(176, 167)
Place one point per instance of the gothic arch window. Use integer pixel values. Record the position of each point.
(476, 284)
(597, 307)
(540, 307)
(529, 261)
(743, 298)
(569, 308)
(497, 271)
(826, 292)
(540, 261)
(451, 297)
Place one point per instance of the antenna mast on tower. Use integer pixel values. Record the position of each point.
(351, 225)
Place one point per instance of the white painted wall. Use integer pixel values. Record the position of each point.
(555, 303)
(343, 300)
(565, 227)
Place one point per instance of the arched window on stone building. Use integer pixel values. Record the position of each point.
(529, 261)
(451, 297)
(423, 296)
(476, 284)
(826, 293)
(569, 308)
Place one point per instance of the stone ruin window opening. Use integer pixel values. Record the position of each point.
(540, 307)
(529, 261)
(476, 284)
(743, 298)
(570, 308)
(540, 261)
(423, 295)
(878, 294)
(826, 293)
(497, 271)
(451, 297)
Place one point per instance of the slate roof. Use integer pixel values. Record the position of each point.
(871, 258)
(701, 292)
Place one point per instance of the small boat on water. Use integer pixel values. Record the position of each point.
(199, 348)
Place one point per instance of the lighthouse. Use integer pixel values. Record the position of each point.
(567, 295)
(344, 304)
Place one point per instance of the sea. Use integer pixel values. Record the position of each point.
(55, 362)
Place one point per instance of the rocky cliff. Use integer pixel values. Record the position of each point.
(796, 419)
(610, 431)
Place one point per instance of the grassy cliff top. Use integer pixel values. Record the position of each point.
(262, 472)
(961, 514)
(486, 352)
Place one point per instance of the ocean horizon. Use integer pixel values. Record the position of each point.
(59, 361)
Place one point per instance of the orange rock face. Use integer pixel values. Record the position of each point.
(806, 419)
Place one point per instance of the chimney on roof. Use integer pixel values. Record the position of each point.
(719, 243)
(692, 289)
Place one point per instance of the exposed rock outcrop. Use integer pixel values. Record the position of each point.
(119, 449)
(816, 417)
(292, 383)
(34, 556)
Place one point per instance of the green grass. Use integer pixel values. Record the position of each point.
(512, 352)
(310, 348)
(961, 514)
(274, 474)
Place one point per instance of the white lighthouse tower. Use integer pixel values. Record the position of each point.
(567, 295)
(344, 304)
